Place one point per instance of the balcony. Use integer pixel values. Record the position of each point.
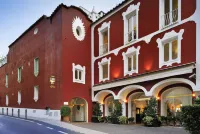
(104, 49)
(170, 18)
(130, 36)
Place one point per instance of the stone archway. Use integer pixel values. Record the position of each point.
(79, 108)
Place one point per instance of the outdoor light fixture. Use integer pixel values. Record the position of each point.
(125, 101)
(193, 95)
(158, 98)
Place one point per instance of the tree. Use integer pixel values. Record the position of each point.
(151, 108)
(117, 111)
(96, 110)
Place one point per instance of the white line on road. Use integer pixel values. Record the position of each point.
(62, 132)
(49, 128)
(39, 124)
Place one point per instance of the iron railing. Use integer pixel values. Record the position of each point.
(170, 18)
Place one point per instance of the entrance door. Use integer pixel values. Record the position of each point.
(138, 117)
(79, 113)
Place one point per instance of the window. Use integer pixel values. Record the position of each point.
(78, 73)
(130, 58)
(170, 48)
(6, 81)
(104, 38)
(19, 97)
(131, 23)
(36, 67)
(7, 100)
(19, 74)
(104, 69)
(170, 12)
(36, 93)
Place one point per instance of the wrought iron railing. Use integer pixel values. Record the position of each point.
(104, 49)
(130, 36)
(170, 18)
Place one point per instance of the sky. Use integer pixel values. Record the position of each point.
(18, 15)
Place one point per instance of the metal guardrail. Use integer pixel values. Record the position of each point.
(169, 18)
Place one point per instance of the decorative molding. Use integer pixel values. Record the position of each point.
(7, 100)
(104, 61)
(80, 68)
(130, 9)
(78, 28)
(131, 51)
(184, 69)
(148, 38)
(36, 93)
(167, 38)
(116, 51)
(19, 97)
(104, 26)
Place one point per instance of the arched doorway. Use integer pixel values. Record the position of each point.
(136, 105)
(109, 105)
(173, 99)
(79, 108)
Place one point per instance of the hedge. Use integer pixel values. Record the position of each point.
(191, 118)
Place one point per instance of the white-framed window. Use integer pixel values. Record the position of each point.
(36, 67)
(104, 38)
(19, 78)
(170, 12)
(19, 97)
(36, 93)
(170, 48)
(7, 100)
(104, 69)
(78, 73)
(6, 84)
(130, 58)
(130, 18)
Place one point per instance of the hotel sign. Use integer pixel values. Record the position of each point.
(52, 81)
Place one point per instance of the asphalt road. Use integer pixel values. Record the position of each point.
(10, 125)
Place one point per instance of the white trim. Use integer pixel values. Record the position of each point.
(36, 66)
(130, 52)
(197, 20)
(148, 77)
(128, 12)
(99, 97)
(105, 26)
(103, 62)
(77, 24)
(6, 84)
(168, 37)
(156, 88)
(161, 13)
(79, 68)
(19, 74)
(122, 94)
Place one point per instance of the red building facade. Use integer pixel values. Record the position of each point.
(137, 50)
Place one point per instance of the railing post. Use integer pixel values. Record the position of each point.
(12, 111)
(3, 111)
(7, 111)
(26, 113)
(18, 113)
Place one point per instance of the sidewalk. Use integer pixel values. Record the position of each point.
(68, 126)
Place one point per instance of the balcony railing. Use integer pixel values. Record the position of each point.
(104, 49)
(130, 36)
(3, 61)
(169, 18)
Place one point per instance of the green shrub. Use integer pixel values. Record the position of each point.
(65, 111)
(190, 118)
(122, 119)
(148, 121)
(96, 111)
(131, 119)
(151, 108)
(117, 111)
(197, 101)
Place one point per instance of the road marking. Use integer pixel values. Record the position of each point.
(39, 124)
(49, 128)
(62, 132)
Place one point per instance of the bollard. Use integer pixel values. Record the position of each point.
(26, 113)
(18, 113)
(12, 111)
(7, 111)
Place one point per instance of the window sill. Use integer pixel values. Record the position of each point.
(79, 81)
(130, 42)
(170, 25)
(35, 99)
(130, 72)
(169, 63)
(103, 80)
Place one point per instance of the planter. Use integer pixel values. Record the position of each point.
(66, 119)
(115, 120)
(95, 120)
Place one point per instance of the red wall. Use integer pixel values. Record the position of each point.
(148, 23)
(149, 54)
(78, 52)
(42, 45)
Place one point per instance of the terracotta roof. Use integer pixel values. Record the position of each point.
(45, 17)
(112, 10)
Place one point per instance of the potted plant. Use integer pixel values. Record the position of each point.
(130, 120)
(65, 112)
(96, 113)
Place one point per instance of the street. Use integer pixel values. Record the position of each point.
(10, 125)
